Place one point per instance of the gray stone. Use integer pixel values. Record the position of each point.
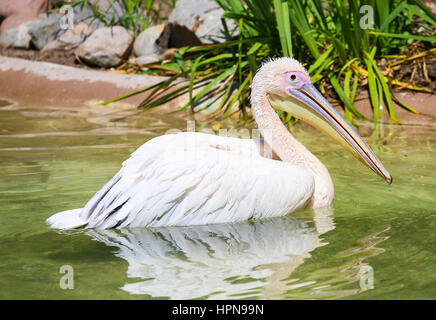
(156, 40)
(145, 43)
(106, 47)
(177, 36)
(111, 11)
(45, 29)
(202, 17)
(86, 15)
(17, 37)
(146, 59)
(71, 39)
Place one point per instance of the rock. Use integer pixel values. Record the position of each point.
(45, 29)
(145, 43)
(202, 17)
(17, 37)
(17, 12)
(158, 39)
(71, 39)
(111, 11)
(86, 16)
(146, 59)
(106, 47)
(177, 36)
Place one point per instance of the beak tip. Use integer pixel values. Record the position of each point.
(389, 179)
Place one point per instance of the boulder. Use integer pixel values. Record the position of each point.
(203, 18)
(145, 43)
(156, 40)
(17, 37)
(153, 44)
(40, 31)
(86, 15)
(45, 29)
(112, 12)
(71, 39)
(112, 9)
(106, 47)
(177, 36)
(146, 59)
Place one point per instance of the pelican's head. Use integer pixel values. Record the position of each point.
(287, 86)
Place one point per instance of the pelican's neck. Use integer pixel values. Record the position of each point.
(291, 150)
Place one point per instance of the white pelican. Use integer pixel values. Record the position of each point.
(194, 178)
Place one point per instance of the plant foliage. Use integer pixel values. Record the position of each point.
(331, 38)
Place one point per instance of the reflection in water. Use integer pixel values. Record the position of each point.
(249, 259)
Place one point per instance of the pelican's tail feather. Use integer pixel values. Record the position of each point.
(66, 219)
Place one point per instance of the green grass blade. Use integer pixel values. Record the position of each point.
(335, 83)
(355, 84)
(386, 92)
(373, 94)
(192, 80)
(281, 26)
(404, 36)
(321, 59)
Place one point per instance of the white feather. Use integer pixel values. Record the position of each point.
(66, 219)
(194, 178)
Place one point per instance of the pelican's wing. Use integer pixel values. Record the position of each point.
(194, 178)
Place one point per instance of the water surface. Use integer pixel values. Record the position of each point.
(376, 241)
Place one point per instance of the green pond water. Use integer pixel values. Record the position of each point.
(377, 241)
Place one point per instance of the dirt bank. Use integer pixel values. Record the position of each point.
(44, 83)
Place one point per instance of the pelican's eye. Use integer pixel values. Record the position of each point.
(295, 79)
